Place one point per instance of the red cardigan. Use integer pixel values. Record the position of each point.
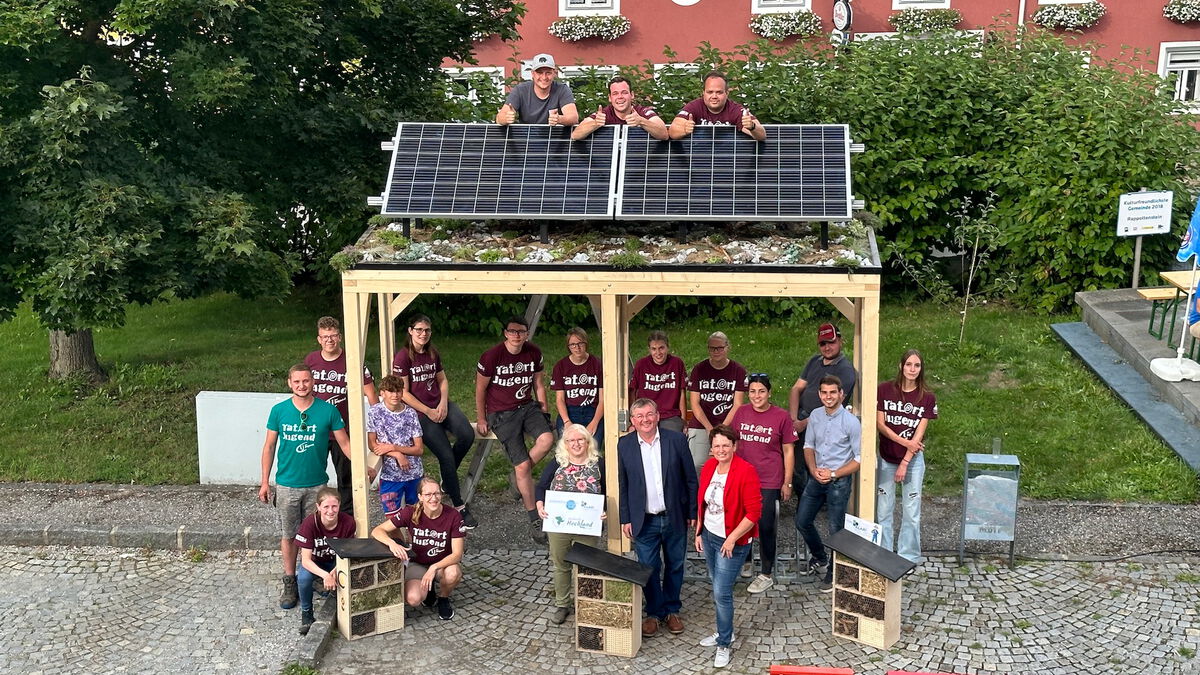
(742, 496)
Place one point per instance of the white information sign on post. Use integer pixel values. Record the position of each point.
(573, 512)
(864, 528)
(1144, 213)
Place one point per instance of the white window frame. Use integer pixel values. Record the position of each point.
(1164, 55)
(590, 8)
(924, 4)
(779, 6)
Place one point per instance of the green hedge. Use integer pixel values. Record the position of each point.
(950, 118)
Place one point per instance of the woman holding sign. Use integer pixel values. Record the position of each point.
(575, 467)
(729, 507)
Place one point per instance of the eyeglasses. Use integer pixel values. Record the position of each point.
(644, 416)
(421, 330)
(327, 338)
(511, 331)
(717, 348)
(576, 344)
(438, 495)
(576, 441)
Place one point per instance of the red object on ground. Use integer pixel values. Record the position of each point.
(809, 670)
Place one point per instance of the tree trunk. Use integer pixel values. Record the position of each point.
(74, 354)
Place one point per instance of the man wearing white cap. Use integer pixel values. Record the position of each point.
(541, 100)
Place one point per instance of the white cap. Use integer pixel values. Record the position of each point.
(542, 61)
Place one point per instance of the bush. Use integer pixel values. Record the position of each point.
(782, 25)
(915, 20)
(1182, 11)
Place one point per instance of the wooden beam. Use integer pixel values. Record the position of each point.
(866, 348)
(614, 393)
(355, 321)
(846, 307)
(399, 302)
(387, 334)
(636, 304)
(533, 313)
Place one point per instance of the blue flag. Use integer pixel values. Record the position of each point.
(1190, 245)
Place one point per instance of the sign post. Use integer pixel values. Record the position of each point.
(1143, 213)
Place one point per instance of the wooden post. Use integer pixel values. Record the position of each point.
(387, 334)
(614, 396)
(356, 308)
(866, 351)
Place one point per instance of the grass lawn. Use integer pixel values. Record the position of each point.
(1011, 378)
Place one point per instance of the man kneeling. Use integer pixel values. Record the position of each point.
(437, 536)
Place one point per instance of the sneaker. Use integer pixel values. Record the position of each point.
(815, 569)
(747, 570)
(431, 599)
(761, 583)
(535, 533)
(825, 585)
(445, 609)
(290, 594)
(711, 640)
(560, 615)
(306, 620)
(469, 521)
(722, 658)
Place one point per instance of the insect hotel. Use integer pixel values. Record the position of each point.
(370, 588)
(608, 601)
(866, 590)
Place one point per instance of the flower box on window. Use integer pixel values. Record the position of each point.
(917, 21)
(782, 25)
(1084, 15)
(575, 28)
(1182, 11)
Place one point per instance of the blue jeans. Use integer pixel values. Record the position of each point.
(909, 544)
(835, 495)
(663, 550)
(304, 579)
(583, 414)
(722, 572)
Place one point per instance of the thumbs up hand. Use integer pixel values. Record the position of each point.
(554, 117)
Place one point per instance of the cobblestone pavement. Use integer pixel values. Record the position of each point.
(1039, 618)
(106, 610)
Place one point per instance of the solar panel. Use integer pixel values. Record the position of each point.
(801, 172)
(492, 171)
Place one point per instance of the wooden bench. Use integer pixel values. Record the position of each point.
(1165, 300)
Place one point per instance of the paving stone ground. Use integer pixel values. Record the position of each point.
(1040, 618)
(106, 610)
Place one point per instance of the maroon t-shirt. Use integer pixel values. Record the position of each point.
(581, 384)
(730, 115)
(611, 117)
(716, 389)
(313, 536)
(329, 380)
(661, 384)
(422, 375)
(431, 536)
(761, 438)
(512, 376)
(902, 413)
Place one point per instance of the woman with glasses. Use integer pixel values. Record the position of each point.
(729, 506)
(436, 539)
(428, 392)
(767, 441)
(575, 467)
(660, 377)
(578, 384)
(716, 389)
(905, 406)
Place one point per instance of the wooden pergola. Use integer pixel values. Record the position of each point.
(617, 296)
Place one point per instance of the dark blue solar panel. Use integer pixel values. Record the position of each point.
(801, 172)
(490, 171)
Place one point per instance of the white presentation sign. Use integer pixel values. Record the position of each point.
(573, 512)
(1144, 213)
(864, 528)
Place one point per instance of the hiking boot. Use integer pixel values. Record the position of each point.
(469, 521)
(535, 533)
(761, 583)
(560, 615)
(290, 594)
(445, 609)
(306, 620)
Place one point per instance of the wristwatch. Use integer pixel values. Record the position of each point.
(753, 125)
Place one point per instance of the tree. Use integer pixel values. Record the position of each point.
(153, 149)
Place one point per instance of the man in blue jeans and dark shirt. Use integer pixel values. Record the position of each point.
(832, 452)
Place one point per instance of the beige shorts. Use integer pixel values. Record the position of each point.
(292, 506)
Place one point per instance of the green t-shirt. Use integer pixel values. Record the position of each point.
(300, 457)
